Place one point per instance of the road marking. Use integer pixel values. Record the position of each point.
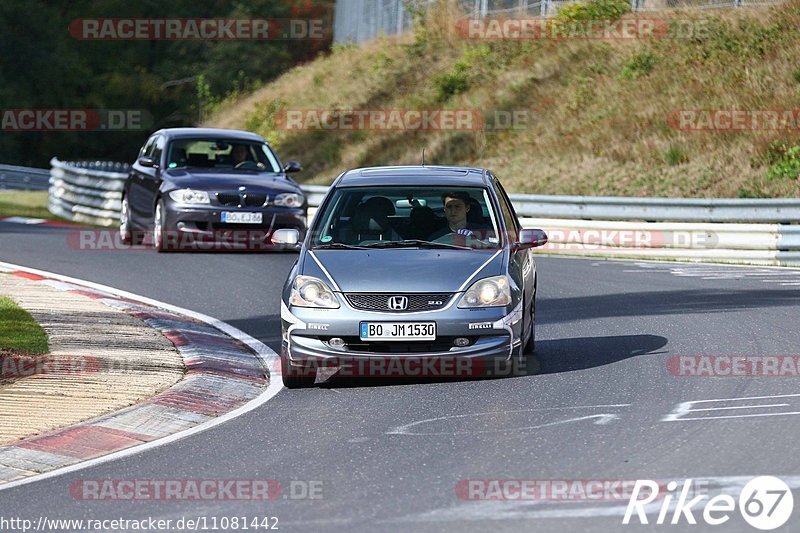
(601, 419)
(781, 275)
(268, 357)
(684, 408)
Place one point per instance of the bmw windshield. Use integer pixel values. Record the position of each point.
(226, 154)
(407, 217)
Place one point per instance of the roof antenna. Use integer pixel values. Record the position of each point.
(423, 157)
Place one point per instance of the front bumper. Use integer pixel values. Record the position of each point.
(202, 224)
(494, 335)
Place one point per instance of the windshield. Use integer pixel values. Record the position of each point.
(399, 217)
(228, 154)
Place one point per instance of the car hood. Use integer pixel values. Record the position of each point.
(215, 180)
(402, 270)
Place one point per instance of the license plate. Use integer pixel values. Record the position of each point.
(398, 331)
(242, 218)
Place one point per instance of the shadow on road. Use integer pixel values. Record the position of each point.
(554, 310)
(580, 353)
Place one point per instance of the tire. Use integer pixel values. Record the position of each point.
(158, 228)
(530, 346)
(125, 235)
(292, 379)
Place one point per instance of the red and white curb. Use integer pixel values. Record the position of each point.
(228, 374)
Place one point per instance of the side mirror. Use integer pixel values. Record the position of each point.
(286, 236)
(531, 238)
(292, 166)
(147, 161)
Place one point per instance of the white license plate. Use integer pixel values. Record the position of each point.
(242, 218)
(398, 331)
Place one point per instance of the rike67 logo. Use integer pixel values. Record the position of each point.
(764, 502)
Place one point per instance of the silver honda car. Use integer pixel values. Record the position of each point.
(417, 271)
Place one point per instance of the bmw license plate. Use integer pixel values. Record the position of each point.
(242, 218)
(398, 331)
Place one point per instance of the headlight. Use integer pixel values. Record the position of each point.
(190, 196)
(288, 199)
(487, 292)
(312, 292)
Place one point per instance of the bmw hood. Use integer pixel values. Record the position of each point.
(402, 270)
(215, 180)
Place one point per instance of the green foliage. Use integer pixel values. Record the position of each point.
(638, 65)
(177, 82)
(675, 156)
(784, 161)
(796, 75)
(594, 10)
(458, 80)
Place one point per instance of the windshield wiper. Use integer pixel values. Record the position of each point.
(338, 246)
(408, 243)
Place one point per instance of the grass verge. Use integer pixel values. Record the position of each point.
(31, 204)
(19, 332)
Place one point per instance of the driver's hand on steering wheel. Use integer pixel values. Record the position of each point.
(466, 232)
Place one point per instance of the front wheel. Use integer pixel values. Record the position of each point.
(125, 222)
(294, 378)
(158, 227)
(530, 346)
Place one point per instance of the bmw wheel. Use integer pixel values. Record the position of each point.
(158, 227)
(125, 222)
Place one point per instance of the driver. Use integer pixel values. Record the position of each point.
(240, 154)
(456, 207)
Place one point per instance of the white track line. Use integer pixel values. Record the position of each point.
(267, 356)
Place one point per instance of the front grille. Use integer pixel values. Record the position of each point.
(355, 344)
(228, 199)
(254, 200)
(241, 200)
(416, 302)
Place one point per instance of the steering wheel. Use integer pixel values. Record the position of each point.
(246, 165)
(473, 240)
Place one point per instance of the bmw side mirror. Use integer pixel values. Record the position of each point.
(531, 238)
(286, 236)
(147, 161)
(292, 166)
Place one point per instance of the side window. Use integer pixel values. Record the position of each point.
(508, 210)
(148, 147)
(158, 148)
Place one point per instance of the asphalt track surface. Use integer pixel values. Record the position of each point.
(594, 410)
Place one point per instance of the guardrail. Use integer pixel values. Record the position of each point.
(24, 178)
(87, 192)
(752, 231)
(747, 231)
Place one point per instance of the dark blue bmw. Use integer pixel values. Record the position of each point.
(210, 189)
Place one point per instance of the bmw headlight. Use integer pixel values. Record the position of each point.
(288, 199)
(487, 292)
(308, 291)
(190, 196)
